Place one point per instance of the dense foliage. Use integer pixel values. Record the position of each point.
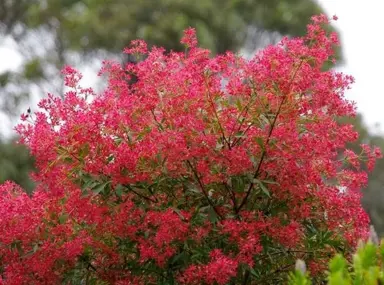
(203, 171)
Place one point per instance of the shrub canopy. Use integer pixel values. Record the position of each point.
(190, 169)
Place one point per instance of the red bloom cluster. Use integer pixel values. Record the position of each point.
(204, 171)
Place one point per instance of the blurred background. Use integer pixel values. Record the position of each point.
(38, 37)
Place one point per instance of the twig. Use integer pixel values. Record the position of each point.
(232, 195)
(203, 189)
(139, 194)
(216, 115)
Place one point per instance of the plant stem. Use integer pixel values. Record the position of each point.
(264, 152)
(203, 189)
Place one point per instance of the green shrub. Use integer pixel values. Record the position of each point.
(364, 268)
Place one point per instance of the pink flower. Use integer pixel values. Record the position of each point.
(189, 38)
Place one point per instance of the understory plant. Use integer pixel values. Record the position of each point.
(190, 169)
(364, 268)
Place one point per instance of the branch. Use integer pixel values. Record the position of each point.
(263, 154)
(246, 277)
(139, 194)
(216, 115)
(203, 190)
(232, 195)
(159, 125)
(245, 111)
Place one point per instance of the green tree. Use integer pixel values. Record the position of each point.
(15, 164)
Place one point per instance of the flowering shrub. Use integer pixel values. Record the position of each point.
(203, 171)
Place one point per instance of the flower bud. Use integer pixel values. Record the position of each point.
(300, 266)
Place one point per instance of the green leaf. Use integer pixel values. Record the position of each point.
(67, 159)
(35, 247)
(239, 106)
(337, 264)
(238, 184)
(180, 258)
(254, 273)
(119, 191)
(212, 216)
(89, 183)
(84, 150)
(270, 182)
(260, 142)
(99, 188)
(177, 211)
(194, 189)
(63, 218)
(262, 187)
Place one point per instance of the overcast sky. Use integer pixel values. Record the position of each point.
(361, 28)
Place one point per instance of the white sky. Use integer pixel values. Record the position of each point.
(361, 28)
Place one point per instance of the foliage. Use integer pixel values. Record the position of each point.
(366, 268)
(203, 171)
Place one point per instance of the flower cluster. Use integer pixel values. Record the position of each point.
(203, 170)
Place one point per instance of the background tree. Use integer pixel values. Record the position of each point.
(373, 194)
(49, 34)
(15, 164)
(52, 33)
